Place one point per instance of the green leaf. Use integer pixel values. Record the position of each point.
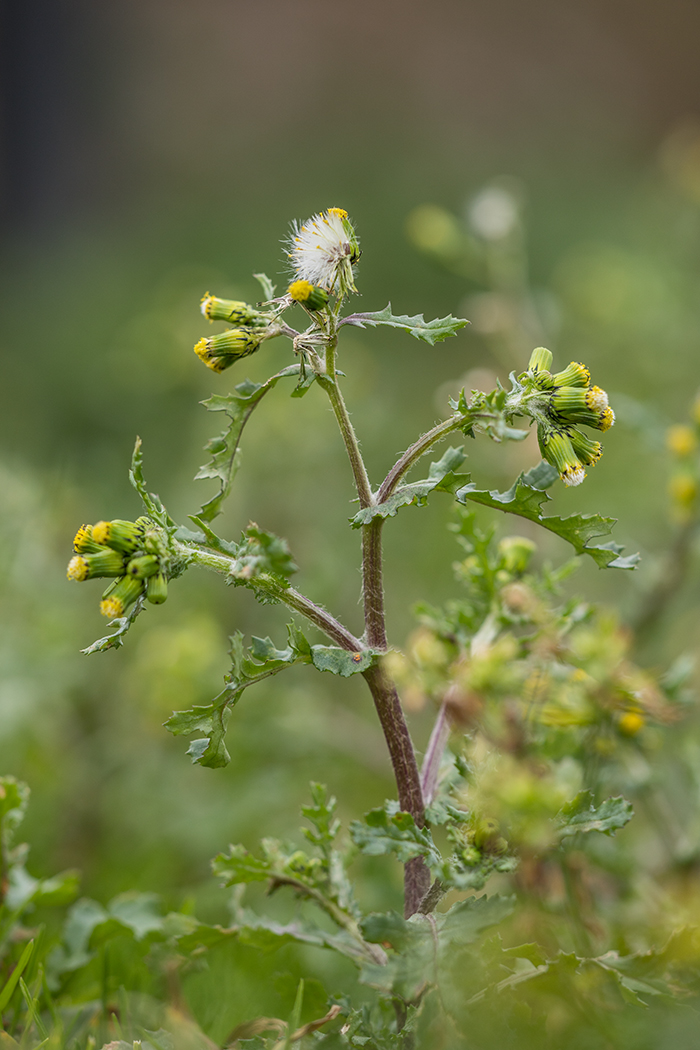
(152, 503)
(425, 946)
(266, 284)
(390, 830)
(225, 448)
(240, 866)
(248, 666)
(14, 799)
(341, 661)
(441, 478)
(122, 624)
(429, 331)
(211, 719)
(261, 552)
(526, 500)
(13, 979)
(580, 815)
(321, 813)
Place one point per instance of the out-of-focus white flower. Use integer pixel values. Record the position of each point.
(324, 249)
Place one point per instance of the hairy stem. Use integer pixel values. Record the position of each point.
(403, 760)
(414, 453)
(329, 382)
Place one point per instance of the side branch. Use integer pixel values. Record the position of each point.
(289, 596)
(414, 453)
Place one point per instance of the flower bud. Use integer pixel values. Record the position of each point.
(121, 596)
(157, 588)
(309, 295)
(84, 542)
(683, 489)
(589, 452)
(557, 449)
(103, 562)
(515, 552)
(631, 722)
(221, 351)
(540, 360)
(120, 535)
(680, 440)
(232, 310)
(574, 374)
(143, 566)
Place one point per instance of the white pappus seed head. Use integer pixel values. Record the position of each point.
(324, 249)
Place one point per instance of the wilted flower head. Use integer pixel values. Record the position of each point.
(324, 250)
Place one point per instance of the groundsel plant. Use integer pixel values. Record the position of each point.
(140, 557)
(517, 682)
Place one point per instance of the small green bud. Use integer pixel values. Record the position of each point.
(232, 310)
(557, 449)
(540, 359)
(221, 351)
(309, 295)
(126, 536)
(103, 562)
(121, 596)
(575, 374)
(143, 566)
(157, 588)
(515, 552)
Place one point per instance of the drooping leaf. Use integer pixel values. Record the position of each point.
(390, 830)
(224, 448)
(429, 331)
(248, 666)
(152, 503)
(580, 815)
(211, 719)
(122, 624)
(526, 499)
(441, 478)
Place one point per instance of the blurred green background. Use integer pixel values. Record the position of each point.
(154, 150)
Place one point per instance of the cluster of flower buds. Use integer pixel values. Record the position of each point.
(131, 552)
(563, 401)
(253, 326)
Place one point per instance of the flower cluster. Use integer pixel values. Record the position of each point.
(560, 403)
(253, 326)
(131, 552)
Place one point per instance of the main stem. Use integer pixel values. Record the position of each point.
(383, 690)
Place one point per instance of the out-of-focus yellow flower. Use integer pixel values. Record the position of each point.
(681, 440)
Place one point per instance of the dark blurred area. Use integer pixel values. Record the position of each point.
(153, 150)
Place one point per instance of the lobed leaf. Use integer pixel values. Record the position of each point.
(526, 498)
(429, 331)
(224, 461)
(580, 815)
(152, 502)
(389, 830)
(122, 624)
